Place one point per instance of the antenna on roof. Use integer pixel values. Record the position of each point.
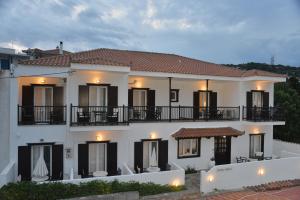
(272, 60)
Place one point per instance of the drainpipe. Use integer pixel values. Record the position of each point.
(206, 100)
(170, 87)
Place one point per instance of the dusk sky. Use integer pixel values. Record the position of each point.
(219, 31)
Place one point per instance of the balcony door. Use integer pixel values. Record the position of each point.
(97, 157)
(97, 96)
(43, 102)
(140, 98)
(222, 150)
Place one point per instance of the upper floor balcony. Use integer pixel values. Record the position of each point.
(263, 114)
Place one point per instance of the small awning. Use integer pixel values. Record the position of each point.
(207, 132)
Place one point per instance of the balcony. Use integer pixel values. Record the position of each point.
(123, 115)
(41, 115)
(263, 114)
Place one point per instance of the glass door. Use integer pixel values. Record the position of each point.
(43, 102)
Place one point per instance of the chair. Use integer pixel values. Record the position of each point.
(83, 117)
(157, 113)
(259, 155)
(113, 116)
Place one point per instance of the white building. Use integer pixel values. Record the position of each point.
(97, 110)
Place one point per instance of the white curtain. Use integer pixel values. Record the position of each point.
(146, 154)
(257, 99)
(39, 161)
(139, 97)
(97, 157)
(97, 96)
(255, 144)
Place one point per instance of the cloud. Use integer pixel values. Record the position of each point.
(218, 31)
(77, 10)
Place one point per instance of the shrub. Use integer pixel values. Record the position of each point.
(33, 191)
(190, 170)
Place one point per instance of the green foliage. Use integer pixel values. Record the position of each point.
(190, 170)
(33, 191)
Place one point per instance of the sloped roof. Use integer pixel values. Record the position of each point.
(144, 61)
(206, 132)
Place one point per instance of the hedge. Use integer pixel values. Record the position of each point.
(33, 191)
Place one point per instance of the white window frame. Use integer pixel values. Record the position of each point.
(105, 155)
(43, 95)
(148, 143)
(98, 87)
(139, 92)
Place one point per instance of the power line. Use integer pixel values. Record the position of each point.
(37, 75)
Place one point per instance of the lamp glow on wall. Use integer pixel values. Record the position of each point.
(42, 81)
(256, 130)
(138, 84)
(210, 178)
(99, 138)
(261, 172)
(176, 183)
(153, 135)
(258, 87)
(97, 81)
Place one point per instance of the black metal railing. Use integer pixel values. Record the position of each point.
(30, 115)
(98, 115)
(263, 114)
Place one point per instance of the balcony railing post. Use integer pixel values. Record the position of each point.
(123, 114)
(71, 111)
(179, 112)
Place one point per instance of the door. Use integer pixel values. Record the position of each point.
(222, 150)
(139, 104)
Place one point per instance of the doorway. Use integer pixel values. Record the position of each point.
(222, 150)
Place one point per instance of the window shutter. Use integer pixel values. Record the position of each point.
(58, 100)
(249, 104)
(151, 104)
(263, 143)
(112, 159)
(266, 100)
(57, 162)
(138, 156)
(4, 64)
(213, 104)
(196, 104)
(163, 154)
(24, 162)
(83, 95)
(130, 97)
(27, 103)
(83, 160)
(112, 96)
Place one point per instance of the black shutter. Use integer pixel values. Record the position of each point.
(57, 162)
(112, 96)
(112, 159)
(138, 156)
(265, 108)
(83, 160)
(213, 104)
(24, 162)
(163, 154)
(130, 97)
(263, 143)
(57, 114)
(249, 104)
(196, 104)
(151, 104)
(83, 94)
(27, 105)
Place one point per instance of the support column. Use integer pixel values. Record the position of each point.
(170, 105)
(206, 109)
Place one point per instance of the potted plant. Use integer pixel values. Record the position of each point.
(212, 162)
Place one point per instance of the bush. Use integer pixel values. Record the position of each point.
(33, 191)
(190, 170)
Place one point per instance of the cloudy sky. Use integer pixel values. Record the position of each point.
(220, 31)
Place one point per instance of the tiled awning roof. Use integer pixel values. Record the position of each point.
(206, 132)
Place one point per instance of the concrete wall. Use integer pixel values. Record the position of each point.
(236, 176)
(280, 146)
(4, 122)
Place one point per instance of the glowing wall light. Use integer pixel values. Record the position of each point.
(261, 171)
(99, 138)
(153, 135)
(210, 178)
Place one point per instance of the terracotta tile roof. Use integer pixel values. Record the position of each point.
(144, 61)
(206, 132)
(256, 72)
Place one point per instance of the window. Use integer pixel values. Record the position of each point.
(97, 96)
(97, 157)
(41, 160)
(256, 145)
(43, 96)
(139, 97)
(257, 98)
(174, 95)
(188, 147)
(150, 151)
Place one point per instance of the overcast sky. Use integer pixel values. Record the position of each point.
(220, 31)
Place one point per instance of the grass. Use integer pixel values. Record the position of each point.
(33, 191)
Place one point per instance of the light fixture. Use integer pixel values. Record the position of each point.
(42, 81)
(99, 138)
(153, 135)
(210, 178)
(176, 183)
(261, 171)
(255, 130)
(258, 87)
(98, 81)
(138, 84)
